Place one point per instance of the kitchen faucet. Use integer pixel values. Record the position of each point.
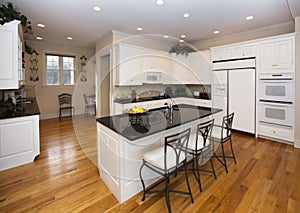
(170, 108)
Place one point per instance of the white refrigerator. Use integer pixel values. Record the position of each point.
(233, 90)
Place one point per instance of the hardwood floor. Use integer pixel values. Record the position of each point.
(266, 178)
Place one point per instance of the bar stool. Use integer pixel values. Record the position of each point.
(202, 147)
(165, 160)
(222, 134)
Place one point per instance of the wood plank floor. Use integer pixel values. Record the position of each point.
(63, 179)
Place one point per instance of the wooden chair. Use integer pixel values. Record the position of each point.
(65, 103)
(166, 160)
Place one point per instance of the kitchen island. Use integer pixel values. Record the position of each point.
(122, 140)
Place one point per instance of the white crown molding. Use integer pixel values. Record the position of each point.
(285, 25)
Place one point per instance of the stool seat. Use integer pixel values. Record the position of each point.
(156, 157)
(165, 160)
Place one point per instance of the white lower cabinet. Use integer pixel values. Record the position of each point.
(19, 141)
(276, 132)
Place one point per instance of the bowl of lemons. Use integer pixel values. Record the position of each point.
(137, 110)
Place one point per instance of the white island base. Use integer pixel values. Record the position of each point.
(119, 159)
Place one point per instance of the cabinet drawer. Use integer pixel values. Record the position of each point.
(283, 133)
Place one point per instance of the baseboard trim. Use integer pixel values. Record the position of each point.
(297, 144)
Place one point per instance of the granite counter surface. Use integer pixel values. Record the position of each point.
(134, 127)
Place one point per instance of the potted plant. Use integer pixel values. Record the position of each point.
(9, 13)
(182, 49)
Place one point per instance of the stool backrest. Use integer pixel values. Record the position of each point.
(178, 143)
(227, 125)
(204, 131)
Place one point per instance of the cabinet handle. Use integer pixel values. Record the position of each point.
(274, 132)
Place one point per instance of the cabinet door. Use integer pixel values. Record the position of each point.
(241, 99)
(283, 54)
(19, 141)
(16, 138)
(167, 77)
(9, 57)
(152, 60)
(244, 51)
(267, 55)
(181, 70)
(118, 108)
(219, 102)
(276, 56)
(200, 65)
(108, 159)
(221, 54)
(129, 66)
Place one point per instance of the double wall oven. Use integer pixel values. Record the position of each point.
(276, 99)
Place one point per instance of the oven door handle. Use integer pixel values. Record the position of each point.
(276, 104)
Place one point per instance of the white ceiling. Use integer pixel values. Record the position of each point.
(77, 19)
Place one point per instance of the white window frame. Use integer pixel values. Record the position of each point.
(47, 52)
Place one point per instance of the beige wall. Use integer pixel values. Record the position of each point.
(297, 82)
(47, 97)
(104, 41)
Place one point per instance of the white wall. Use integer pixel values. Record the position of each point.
(47, 96)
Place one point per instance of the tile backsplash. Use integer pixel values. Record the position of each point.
(150, 90)
(24, 91)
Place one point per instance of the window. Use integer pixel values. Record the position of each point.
(60, 69)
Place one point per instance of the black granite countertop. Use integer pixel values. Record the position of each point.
(134, 127)
(155, 98)
(24, 107)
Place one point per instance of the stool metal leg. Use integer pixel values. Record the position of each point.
(232, 151)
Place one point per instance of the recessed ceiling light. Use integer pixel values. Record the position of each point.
(248, 18)
(139, 28)
(39, 38)
(186, 15)
(182, 36)
(41, 25)
(69, 38)
(159, 2)
(216, 32)
(166, 36)
(96, 8)
(181, 41)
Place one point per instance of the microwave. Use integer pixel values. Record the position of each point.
(153, 77)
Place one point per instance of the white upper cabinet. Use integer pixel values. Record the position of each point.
(128, 65)
(221, 54)
(200, 65)
(181, 71)
(10, 55)
(276, 56)
(234, 51)
(152, 60)
(244, 51)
